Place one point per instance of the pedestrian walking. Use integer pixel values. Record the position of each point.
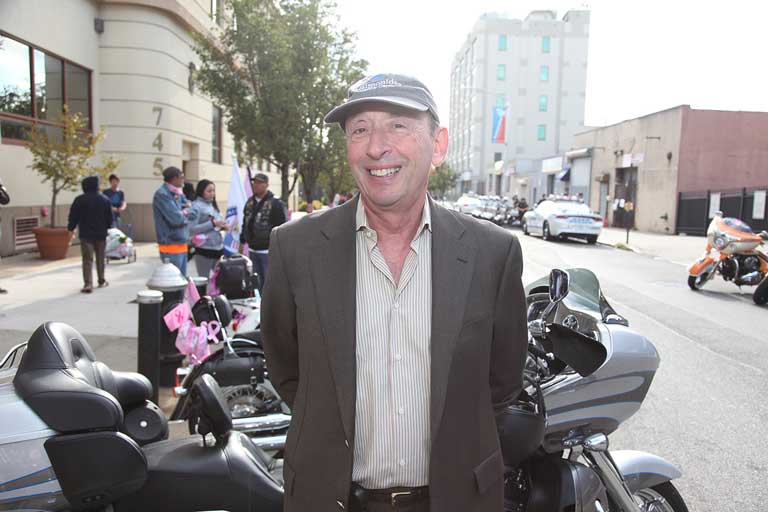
(394, 327)
(5, 198)
(205, 230)
(116, 198)
(173, 213)
(91, 214)
(261, 214)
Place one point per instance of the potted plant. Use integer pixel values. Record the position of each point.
(64, 160)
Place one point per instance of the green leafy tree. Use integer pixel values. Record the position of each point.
(442, 179)
(274, 72)
(63, 159)
(337, 178)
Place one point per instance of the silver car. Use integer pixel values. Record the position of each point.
(561, 219)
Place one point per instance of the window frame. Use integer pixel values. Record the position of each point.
(501, 72)
(216, 145)
(546, 44)
(34, 119)
(543, 103)
(544, 73)
(541, 133)
(502, 47)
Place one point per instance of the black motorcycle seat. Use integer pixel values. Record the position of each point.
(228, 476)
(51, 383)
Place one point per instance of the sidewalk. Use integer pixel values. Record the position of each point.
(678, 249)
(40, 291)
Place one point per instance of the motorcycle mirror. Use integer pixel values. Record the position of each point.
(764, 235)
(580, 352)
(558, 285)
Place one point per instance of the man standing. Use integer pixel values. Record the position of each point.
(116, 198)
(393, 327)
(91, 214)
(261, 214)
(172, 216)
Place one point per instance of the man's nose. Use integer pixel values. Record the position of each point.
(378, 144)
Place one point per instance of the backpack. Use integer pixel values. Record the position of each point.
(235, 277)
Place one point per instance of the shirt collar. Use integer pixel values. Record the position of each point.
(361, 219)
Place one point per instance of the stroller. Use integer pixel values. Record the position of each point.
(119, 246)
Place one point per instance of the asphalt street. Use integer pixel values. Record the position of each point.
(705, 411)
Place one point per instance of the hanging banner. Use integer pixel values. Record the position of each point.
(499, 125)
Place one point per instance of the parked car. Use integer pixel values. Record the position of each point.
(562, 218)
(468, 204)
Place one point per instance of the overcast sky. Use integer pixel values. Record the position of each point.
(644, 56)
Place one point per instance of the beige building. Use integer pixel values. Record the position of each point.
(636, 161)
(129, 67)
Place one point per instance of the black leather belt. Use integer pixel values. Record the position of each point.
(396, 496)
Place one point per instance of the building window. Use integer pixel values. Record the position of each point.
(217, 12)
(543, 103)
(34, 88)
(501, 72)
(497, 157)
(216, 135)
(541, 133)
(544, 74)
(502, 42)
(501, 100)
(545, 44)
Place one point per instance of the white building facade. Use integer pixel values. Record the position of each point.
(518, 91)
(129, 67)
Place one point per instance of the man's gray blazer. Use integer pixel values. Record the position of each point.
(478, 346)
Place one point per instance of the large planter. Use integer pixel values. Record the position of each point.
(53, 243)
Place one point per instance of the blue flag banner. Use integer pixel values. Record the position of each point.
(499, 125)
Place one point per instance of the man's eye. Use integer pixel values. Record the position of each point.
(358, 131)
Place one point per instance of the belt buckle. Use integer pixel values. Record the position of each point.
(395, 495)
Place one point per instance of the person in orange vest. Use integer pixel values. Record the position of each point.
(173, 213)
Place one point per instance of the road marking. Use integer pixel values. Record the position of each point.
(692, 341)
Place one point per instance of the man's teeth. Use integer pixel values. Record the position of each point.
(383, 172)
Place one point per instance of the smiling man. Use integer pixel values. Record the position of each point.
(393, 327)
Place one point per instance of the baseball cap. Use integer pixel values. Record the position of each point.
(260, 176)
(401, 90)
(171, 172)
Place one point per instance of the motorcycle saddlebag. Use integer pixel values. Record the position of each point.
(235, 276)
(232, 370)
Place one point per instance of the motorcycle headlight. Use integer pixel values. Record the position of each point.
(720, 242)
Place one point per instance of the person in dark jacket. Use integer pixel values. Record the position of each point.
(91, 213)
(262, 213)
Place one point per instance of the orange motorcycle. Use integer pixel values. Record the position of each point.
(734, 251)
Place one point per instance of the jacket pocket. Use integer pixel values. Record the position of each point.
(488, 471)
(288, 478)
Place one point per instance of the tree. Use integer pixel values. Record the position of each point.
(441, 180)
(273, 73)
(64, 159)
(337, 178)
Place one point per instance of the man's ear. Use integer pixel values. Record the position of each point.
(441, 146)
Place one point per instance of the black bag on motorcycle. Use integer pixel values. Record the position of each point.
(234, 276)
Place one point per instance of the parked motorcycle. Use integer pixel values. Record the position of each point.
(587, 374)
(734, 251)
(71, 439)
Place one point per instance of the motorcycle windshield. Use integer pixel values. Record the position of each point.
(584, 292)
(737, 224)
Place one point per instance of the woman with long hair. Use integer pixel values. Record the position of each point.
(205, 232)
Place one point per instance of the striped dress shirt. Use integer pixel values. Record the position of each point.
(393, 328)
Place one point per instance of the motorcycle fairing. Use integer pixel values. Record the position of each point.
(704, 264)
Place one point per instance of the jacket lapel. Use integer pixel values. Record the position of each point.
(333, 274)
(453, 262)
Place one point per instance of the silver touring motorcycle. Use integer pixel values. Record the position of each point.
(76, 435)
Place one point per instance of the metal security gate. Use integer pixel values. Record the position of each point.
(693, 209)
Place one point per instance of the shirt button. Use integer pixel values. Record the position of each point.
(401, 411)
(369, 234)
(396, 305)
(398, 357)
(402, 462)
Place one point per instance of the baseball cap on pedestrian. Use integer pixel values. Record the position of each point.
(401, 90)
(171, 172)
(260, 176)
